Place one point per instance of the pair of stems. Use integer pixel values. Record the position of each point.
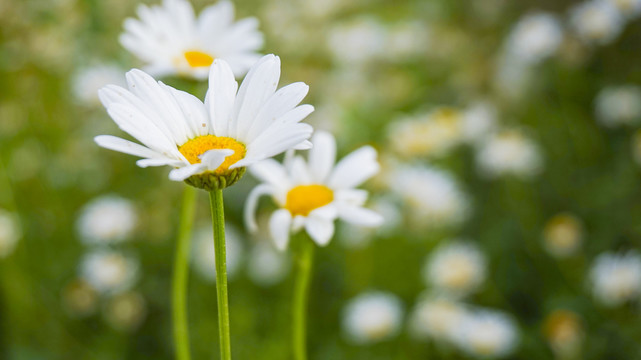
(303, 260)
(181, 273)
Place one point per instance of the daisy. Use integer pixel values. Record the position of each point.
(436, 317)
(372, 317)
(563, 235)
(209, 145)
(616, 278)
(535, 37)
(169, 39)
(109, 271)
(106, 220)
(596, 21)
(457, 268)
(619, 106)
(313, 194)
(487, 334)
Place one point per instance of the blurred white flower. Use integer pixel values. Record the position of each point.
(432, 196)
(512, 77)
(487, 334)
(616, 278)
(564, 332)
(86, 82)
(478, 121)
(106, 219)
(436, 317)
(10, 233)
(170, 39)
(630, 9)
(109, 271)
(357, 41)
(125, 312)
(79, 299)
(596, 21)
(266, 266)
(509, 152)
(204, 256)
(406, 40)
(563, 235)
(431, 134)
(456, 268)
(372, 317)
(535, 37)
(620, 105)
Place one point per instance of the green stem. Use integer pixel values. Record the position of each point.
(181, 263)
(218, 219)
(303, 262)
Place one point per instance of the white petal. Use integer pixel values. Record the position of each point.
(354, 197)
(354, 169)
(212, 159)
(252, 203)
(299, 172)
(143, 163)
(277, 140)
(320, 230)
(124, 146)
(305, 145)
(221, 96)
(360, 216)
(322, 156)
(327, 212)
(271, 172)
(193, 112)
(214, 19)
(279, 227)
(185, 172)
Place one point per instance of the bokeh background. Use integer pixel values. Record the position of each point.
(510, 184)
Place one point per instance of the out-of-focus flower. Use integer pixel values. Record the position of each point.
(487, 334)
(509, 152)
(535, 37)
(125, 312)
(79, 299)
(564, 332)
(204, 256)
(563, 235)
(432, 195)
(10, 233)
(596, 21)
(407, 40)
(107, 219)
(372, 317)
(313, 194)
(436, 317)
(478, 121)
(169, 39)
(629, 9)
(357, 41)
(456, 268)
(433, 134)
(109, 271)
(267, 266)
(616, 278)
(86, 82)
(209, 144)
(620, 105)
(356, 237)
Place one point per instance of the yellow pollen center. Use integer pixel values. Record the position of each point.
(194, 148)
(198, 58)
(302, 199)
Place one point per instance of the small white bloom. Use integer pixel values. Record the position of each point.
(357, 41)
(126, 311)
(231, 130)
(596, 21)
(535, 37)
(630, 9)
(479, 120)
(204, 256)
(312, 194)
(10, 233)
(267, 266)
(109, 271)
(487, 334)
(616, 278)
(86, 82)
(437, 318)
(620, 105)
(457, 268)
(170, 39)
(372, 317)
(563, 235)
(433, 197)
(107, 219)
(509, 152)
(431, 134)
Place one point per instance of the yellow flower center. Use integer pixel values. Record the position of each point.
(302, 199)
(194, 148)
(198, 58)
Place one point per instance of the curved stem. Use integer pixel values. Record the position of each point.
(181, 274)
(303, 261)
(218, 219)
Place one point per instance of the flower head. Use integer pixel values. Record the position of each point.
(109, 271)
(563, 235)
(535, 37)
(372, 317)
(209, 144)
(487, 334)
(107, 219)
(170, 39)
(619, 105)
(616, 278)
(10, 233)
(509, 152)
(313, 194)
(596, 21)
(458, 268)
(437, 317)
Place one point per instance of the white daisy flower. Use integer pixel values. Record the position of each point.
(209, 144)
(109, 271)
(204, 256)
(535, 37)
(170, 39)
(596, 21)
(487, 334)
(267, 266)
(106, 220)
(457, 268)
(86, 82)
(478, 121)
(616, 278)
(563, 235)
(437, 318)
(372, 317)
(313, 194)
(619, 105)
(630, 9)
(509, 152)
(10, 233)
